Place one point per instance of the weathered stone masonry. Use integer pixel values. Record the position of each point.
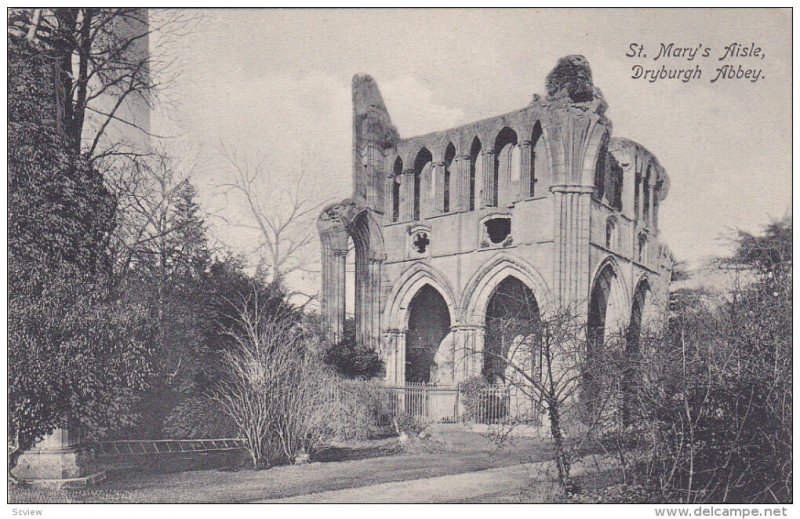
(544, 195)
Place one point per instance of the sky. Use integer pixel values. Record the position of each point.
(275, 85)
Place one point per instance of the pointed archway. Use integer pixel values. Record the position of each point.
(428, 325)
(512, 317)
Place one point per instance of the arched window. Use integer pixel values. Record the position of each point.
(636, 195)
(600, 170)
(475, 170)
(504, 145)
(641, 253)
(646, 194)
(611, 233)
(614, 190)
(449, 156)
(537, 158)
(423, 161)
(656, 193)
(397, 174)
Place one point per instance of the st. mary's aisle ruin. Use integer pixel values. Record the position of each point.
(542, 202)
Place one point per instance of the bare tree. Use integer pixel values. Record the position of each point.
(545, 359)
(273, 387)
(106, 67)
(283, 218)
(148, 191)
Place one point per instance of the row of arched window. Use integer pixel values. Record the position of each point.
(608, 183)
(612, 239)
(495, 177)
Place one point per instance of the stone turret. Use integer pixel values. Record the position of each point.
(373, 133)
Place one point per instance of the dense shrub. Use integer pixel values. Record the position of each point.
(199, 417)
(714, 401)
(358, 409)
(351, 360)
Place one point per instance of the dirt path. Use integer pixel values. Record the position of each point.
(440, 489)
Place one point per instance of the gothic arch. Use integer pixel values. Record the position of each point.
(596, 144)
(406, 287)
(609, 304)
(336, 224)
(482, 284)
(644, 307)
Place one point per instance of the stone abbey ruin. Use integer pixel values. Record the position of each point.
(451, 228)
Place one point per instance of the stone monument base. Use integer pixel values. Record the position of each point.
(60, 461)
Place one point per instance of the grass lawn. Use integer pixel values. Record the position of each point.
(453, 450)
(548, 491)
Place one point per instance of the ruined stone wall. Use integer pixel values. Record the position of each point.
(544, 194)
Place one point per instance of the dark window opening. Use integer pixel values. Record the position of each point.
(423, 159)
(610, 227)
(600, 171)
(449, 155)
(474, 154)
(646, 195)
(537, 153)
(498, 229)
(397, 175)
(642, 247)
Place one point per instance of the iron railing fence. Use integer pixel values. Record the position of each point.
(447, 404)
(426, 403)
(142, 447)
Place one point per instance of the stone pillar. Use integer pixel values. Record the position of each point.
(437, 174)
(489, 198)
(407, 196)
(462, 174)
(394, 357)
(468, 358)
(388, 194)
(572, 221)
(333, 290)
(525, 171)
(370, 304)
(61, 459)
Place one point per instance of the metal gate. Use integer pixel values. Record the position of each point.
(426, 403)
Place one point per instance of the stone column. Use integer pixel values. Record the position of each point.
(462, 174)
(437, 174)
(370, 309)
(572, 220)
(388, 194)
(525, 171)
(468, 358)
(333, 290)
(61, 459)
(489, 184)
(407, 196)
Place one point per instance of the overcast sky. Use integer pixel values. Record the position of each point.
(276, 83)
